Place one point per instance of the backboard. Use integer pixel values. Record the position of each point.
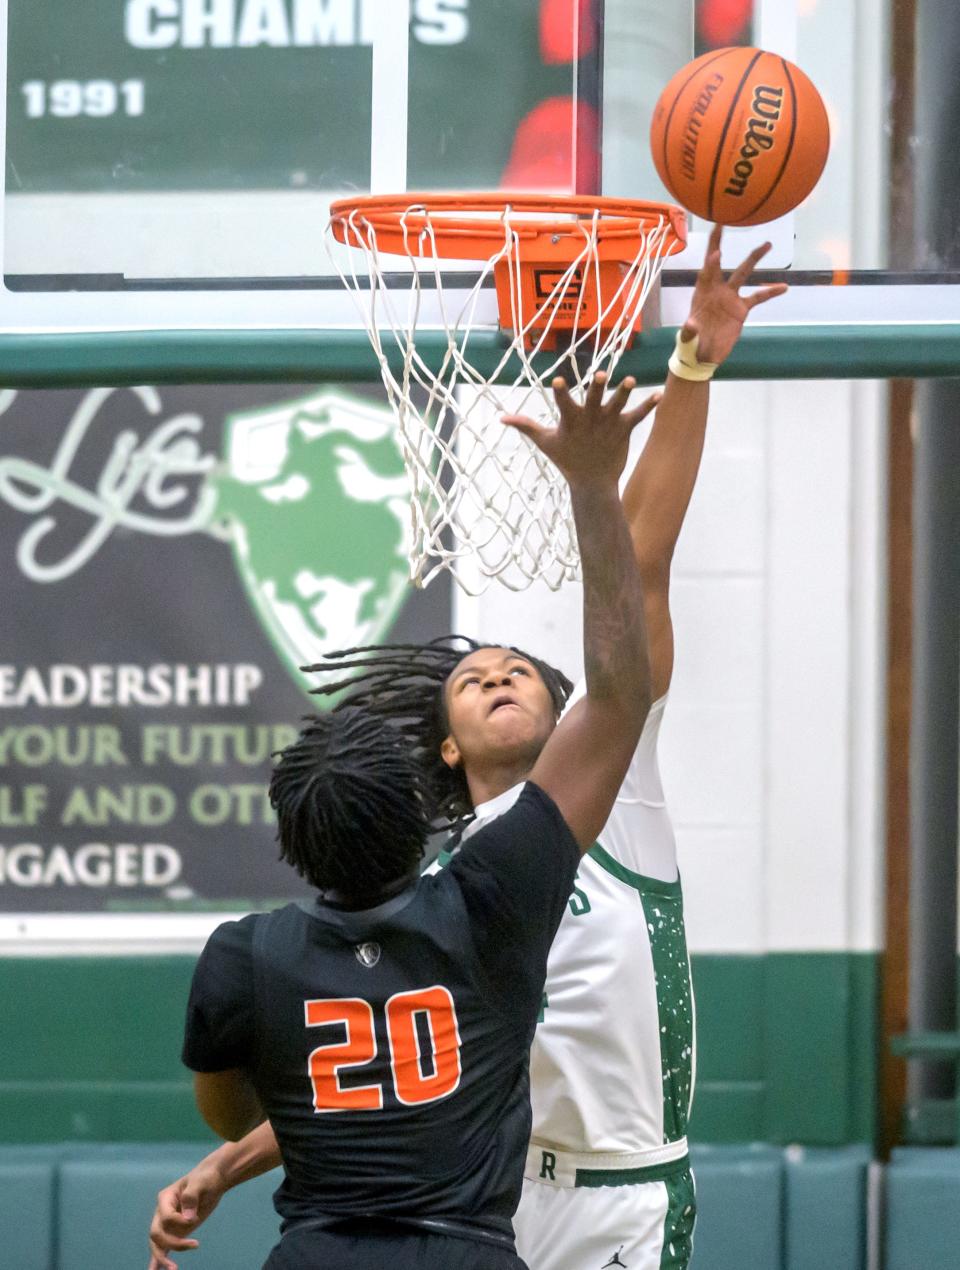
(169, 163)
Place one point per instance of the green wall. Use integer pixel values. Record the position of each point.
(787, 1049)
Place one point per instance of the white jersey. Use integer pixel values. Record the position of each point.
(612, 1063)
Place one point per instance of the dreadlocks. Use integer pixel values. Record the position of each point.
(349, 802)
(404, 685)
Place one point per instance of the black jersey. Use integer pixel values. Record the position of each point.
(390, 1047)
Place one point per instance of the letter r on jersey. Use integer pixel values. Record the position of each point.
(548, 1163)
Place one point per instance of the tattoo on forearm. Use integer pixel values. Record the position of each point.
(614, 634)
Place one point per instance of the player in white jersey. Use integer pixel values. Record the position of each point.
(607, 1181)
(612, 1068)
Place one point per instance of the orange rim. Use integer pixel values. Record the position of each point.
(393, 217)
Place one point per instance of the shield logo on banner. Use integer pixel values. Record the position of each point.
(313, 499)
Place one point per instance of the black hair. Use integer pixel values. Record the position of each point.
(404, 684)
(349, 800)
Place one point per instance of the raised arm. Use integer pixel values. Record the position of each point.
(586, 758)
(658, 492)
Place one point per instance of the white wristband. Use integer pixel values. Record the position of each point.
(684, 364)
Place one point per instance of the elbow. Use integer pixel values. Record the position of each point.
(237, 1133)
(233, 1128)
(654, 570)
(639, 697)
(633, 706)
(623, 691)
(228, 1103)
(642, 702)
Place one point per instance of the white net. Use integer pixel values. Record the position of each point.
(485, 503)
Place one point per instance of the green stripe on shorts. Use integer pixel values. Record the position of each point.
(630, 1177)
(679, 1223)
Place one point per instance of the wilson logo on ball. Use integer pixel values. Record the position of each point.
(767, 104)
(740, 136)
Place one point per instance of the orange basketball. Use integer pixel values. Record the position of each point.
(740, 136)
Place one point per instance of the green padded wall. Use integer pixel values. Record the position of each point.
(124, 1183)
(825, 1217)
(787, 1049)
(923, 1209)
(760, 1208)
(27, 1207)
(739, 1209)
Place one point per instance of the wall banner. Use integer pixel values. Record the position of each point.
(170, 557)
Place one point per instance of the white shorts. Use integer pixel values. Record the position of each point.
(608, 1224)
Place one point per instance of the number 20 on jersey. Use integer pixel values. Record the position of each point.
(435, 1009)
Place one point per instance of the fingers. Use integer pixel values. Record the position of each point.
(561, 395)
(593, 398)
(746, 267)
(689, 331)
(162, 1242)
(171, 1231)
(594, 394)
(632, 417)
(168, 1202)
(176, 1209)
(522, 423)
(710, 270)
(189, 1205)
(159, 1259)
(182, 1222)
(765, 294)
(175, 1216)
(618, 398)
(593, 403)
(741, 274)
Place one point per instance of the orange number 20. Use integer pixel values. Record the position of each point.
(436, 1008)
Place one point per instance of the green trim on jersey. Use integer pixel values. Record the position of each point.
(651, 886)
(663, 909)
(630, 1177)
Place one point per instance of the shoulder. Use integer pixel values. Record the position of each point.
(519, 849)
(229, 949)
(533, 808)
(236, 934)
(221, 1004)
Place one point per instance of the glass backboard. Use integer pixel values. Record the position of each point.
(169, 163)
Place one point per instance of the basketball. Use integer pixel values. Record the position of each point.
(740, 136)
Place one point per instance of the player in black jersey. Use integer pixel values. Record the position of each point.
(384, 1029)
(413, 687)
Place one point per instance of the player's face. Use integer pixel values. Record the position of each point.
(499, 710)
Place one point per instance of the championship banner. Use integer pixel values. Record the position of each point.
(170, 558)
(126, 96)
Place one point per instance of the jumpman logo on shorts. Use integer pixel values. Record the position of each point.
(615, 1260)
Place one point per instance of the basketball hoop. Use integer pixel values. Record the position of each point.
(572, 275)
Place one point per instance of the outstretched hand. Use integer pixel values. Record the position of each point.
(591, 440)
(717, 309)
